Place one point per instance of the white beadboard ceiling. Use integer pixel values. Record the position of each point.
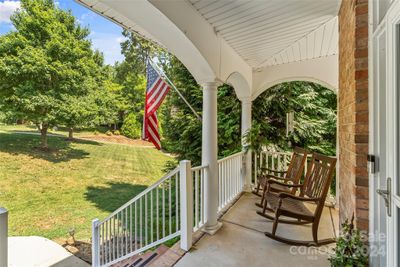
(262, 32)
(272, 32)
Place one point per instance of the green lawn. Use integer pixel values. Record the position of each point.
(56, 131)
(48, 193)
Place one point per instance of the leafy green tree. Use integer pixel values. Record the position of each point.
(76, 112)
(182, 130)
(314, 108)
(229, 118)
(43, 61)
(131, 75)
(131, 127)
(96, 106)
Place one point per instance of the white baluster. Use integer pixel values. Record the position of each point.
(136, 230)
(151, 217)
(196, 195)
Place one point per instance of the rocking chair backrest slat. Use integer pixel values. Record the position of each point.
(319, 176)
(296, 166)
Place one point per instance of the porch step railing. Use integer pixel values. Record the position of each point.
(147, 220)
(172, 207)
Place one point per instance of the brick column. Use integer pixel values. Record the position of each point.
(353, 111)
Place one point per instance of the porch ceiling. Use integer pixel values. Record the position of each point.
(266, 33)
(247, 39)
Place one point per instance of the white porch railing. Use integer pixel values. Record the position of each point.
(230, 179)
(173, 206)
(149, 219)
(198, 179)
(272, 160)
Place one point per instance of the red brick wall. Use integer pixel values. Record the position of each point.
(353, 111)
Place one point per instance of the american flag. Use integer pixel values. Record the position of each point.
(156, 91)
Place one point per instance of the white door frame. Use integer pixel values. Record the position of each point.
(377, 224)
(390, 30)
(392, 138)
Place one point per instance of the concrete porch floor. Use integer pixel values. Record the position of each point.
(241, 241)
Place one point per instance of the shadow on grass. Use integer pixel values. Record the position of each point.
(60, 150)
(113, 195)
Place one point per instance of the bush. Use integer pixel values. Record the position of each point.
(109, 133)
(351, 249)
(116, 132)
(96, 132)
(131, 127)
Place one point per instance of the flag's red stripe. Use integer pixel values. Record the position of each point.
(154, 105)
(154, 97)
(154, 136)
(154, 87)
(156, 94)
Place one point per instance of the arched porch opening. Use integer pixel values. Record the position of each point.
(314, 108)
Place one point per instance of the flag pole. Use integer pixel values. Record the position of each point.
(176, 89)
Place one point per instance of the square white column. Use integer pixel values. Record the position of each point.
(246, 126)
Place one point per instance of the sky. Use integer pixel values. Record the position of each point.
(105, 35)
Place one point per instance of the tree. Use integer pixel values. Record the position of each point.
(314, 108)
(44, 62)
(182, 130)
(131, 75)
(99, 106)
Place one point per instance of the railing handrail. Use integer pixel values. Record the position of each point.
(200, 167)
(231, 156)
(276, 152)
(141, 194)
(288, 153)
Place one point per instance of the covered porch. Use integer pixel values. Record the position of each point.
(241, 240)
(252, 46)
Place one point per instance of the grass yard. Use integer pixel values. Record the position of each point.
(55, 131)
(48, 193)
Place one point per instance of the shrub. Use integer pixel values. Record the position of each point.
(131, 127)
(350, 247)
(109, 133)
(116, 132)
(96, 132)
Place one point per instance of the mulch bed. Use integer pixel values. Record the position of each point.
(80, 249)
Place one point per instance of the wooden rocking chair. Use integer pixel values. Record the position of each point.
(291, 176)
(314, 189)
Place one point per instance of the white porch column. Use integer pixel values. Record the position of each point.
(209, 154)
(246, 125)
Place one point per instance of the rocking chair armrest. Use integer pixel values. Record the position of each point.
(268, 176)
(286, 195)
(279, 178)
(284, 184)
(271, 170)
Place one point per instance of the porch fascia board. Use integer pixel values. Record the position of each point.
(178, 27)
(217, 52)
(324, 71)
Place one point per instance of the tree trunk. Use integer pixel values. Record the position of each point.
(43, 132)
(71, 133)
